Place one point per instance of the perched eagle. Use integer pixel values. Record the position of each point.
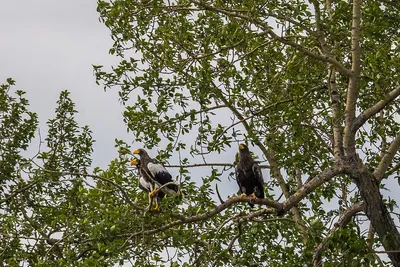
(146, 186)
(155, 174)
(248, 175)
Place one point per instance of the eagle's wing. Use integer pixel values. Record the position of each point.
(259, 180)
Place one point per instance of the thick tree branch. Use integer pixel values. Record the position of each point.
(336, 115)
(315, 182)
(341, 223)
(387, 159)
(274, 207)
(354, 81)
(375, 207)
(229, 202)
(364, 116)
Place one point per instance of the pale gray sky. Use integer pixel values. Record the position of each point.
(48, 46)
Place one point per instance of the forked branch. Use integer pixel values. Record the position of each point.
(387, 158)
(364, 116)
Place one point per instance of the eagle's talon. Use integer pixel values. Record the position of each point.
(253, 196)
(152, 194)
(156, 208)
(243, 195)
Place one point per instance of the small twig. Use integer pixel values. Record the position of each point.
(233, 240)
(219, 196)
(16, 192)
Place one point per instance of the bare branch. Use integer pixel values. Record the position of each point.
(386, 252)
(342, 222)
(163, 186)
(387, 159)
(364, 116)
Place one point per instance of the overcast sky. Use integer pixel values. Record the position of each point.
(48, 46)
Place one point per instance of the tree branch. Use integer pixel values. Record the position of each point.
(274, 36)
(233, 240)
(104, 179)
(364, 116)
(229, 202)
(341, 223)
(392, 170)
(208, 165)
(278, 176)
(315, 182)
(187, 114)
(219, 195)
(336, 115)
(302, 49)
(387, 159)
(354, 81)
(16, 192)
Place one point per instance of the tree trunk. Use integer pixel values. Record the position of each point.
(376, 210)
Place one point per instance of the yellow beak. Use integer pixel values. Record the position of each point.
(241, 146)
(134, 162)
(136, 151)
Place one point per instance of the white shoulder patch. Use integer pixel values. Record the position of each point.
(145, 184)
(155, 168)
